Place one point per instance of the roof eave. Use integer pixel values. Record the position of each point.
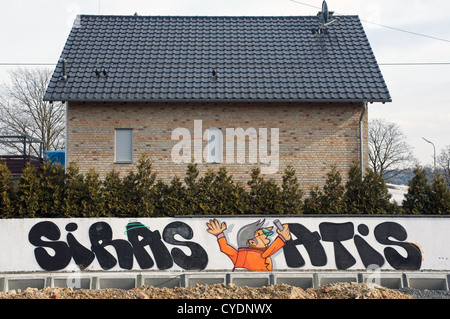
(222, 100)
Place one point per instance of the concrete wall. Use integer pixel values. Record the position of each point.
(166, 245)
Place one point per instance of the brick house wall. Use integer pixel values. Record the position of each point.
(312, 136)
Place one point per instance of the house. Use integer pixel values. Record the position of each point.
(225, 91)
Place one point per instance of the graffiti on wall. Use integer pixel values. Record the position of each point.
(256, 245)
(101, 237)
(255, 248)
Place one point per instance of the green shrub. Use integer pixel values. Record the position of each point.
(55, 193)
(75, 198)
(137, 193)
(93, 201)
(439, 197)
(28, 194)
(313, 204)
(424, 198)
(215, 193)
(291, 193)
(220, 195)
(265, 196)
(329, 200)
(192, 191)
(145, 180)
(333, 193)
(53, 189)
(114, 195)
(170, 199)
(354, 195)
(375, 195)
(369, 196)
(6, 192)
(417, 200)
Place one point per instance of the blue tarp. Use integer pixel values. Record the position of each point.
(56, 156)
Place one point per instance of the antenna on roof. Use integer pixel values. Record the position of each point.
(324, 18)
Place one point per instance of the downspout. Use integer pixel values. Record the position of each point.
(66, 137)
(361, 155)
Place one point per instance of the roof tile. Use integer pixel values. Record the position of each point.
(260, 58)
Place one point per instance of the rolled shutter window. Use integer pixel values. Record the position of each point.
(124, 145)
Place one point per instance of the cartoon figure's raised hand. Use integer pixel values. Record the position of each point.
(215, 228)
(285, 232)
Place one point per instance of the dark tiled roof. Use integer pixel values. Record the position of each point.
(254, 58)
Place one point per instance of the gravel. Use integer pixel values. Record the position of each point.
(425, 294)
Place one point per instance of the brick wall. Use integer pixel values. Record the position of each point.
(312, 136)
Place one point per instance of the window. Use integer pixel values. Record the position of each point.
(214, 147)
(124, 146)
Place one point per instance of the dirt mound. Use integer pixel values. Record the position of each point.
(218, 291)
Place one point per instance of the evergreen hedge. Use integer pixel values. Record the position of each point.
(52, 192)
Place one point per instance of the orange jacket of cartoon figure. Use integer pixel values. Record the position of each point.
(251, 258)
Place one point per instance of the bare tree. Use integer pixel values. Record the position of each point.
(443, 161)
(389, 153)
(24, 112)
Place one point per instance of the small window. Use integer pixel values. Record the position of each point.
(214, 147)
(124, 146)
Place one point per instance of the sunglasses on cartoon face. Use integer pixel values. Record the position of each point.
(260, 240)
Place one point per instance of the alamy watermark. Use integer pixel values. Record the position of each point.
(374, 277)
(239, 146)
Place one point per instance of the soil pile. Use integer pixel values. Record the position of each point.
(218, 291)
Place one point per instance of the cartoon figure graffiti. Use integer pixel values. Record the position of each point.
(254, 249)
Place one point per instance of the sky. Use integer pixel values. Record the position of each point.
(415, 63)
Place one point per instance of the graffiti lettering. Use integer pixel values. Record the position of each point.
(311, 241)
(149, 247)
(368, 254)
(62, 255)
(198, 259)
(82, 256)
(338, 233)
(412, 261)
(153, 240)
(101, 236)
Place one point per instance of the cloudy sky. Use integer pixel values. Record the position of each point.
(415, 64)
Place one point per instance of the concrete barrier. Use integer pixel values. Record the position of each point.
(205, 279)
(394, 280)
(430, 281)
(23, 282)
(326, 278)
(252, 279)
(305, 280)
(123, 282)
(75, 282)
(302, 280)
(162, 280)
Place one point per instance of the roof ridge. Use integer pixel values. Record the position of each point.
(211, 17)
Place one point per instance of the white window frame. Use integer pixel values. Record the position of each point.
(129, 150)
